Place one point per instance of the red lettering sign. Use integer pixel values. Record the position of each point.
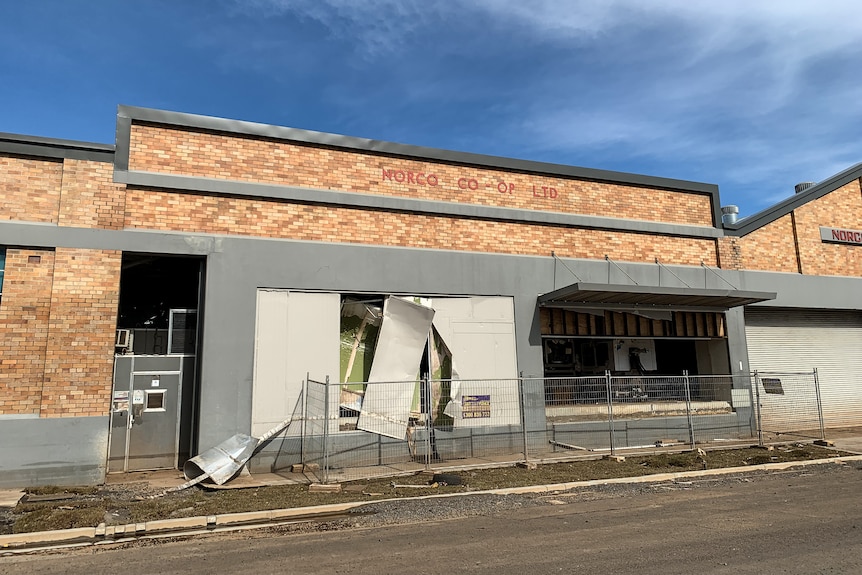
(401, 176)
(463, 183)
(843, 236)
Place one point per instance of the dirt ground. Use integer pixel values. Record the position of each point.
(49, 508)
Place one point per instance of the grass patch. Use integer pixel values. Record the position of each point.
(57, 490)
(37, 519)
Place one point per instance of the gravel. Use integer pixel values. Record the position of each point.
(419, 510)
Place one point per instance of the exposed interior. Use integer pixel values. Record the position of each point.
(159, 299)
(591, 342)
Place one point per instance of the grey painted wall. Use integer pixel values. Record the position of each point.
(237, 266)
(243, 265)
(813, 292)
(53, 451)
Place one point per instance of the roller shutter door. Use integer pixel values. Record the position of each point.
(797, 340)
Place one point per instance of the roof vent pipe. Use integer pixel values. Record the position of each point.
(729, 214)
(802, 186)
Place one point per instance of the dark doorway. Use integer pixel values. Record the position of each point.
(151, 288)
(157, 340)
(673, 356)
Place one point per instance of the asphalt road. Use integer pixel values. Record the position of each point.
(799, 522)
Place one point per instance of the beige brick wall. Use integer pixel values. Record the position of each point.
(223, 215)
(90, 198)
(173, 151)
(730, 253)
(774, 247)
(24, 311)
(81, 331)
(29, 189)
(839, 209)
(770, 248)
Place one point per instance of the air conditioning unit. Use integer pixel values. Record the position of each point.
(182, 327)
(124, 339)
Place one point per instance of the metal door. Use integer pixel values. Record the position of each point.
(145, 421)
(154, 421)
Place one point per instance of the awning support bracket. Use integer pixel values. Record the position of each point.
(610, 261)
(664, 267)
(557, 259)
(706, 267)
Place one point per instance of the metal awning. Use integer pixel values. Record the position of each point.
(633, 297)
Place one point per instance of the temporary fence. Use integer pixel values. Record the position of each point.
(788, 404)
(626, 412)
(386, 428)
(361, 430)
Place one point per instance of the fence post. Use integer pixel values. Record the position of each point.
(326, 432)
(523, 418)
(610, 411)
(302, 438)
(757, 409)
(687, 384)
(752, 418)
(429, 425)
(819, 405)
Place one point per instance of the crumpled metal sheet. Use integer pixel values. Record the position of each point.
(400, 346)
(223, 461)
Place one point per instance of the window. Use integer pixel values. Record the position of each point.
(2, 269)
(155, 400)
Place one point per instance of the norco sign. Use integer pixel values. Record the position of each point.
(837, 235)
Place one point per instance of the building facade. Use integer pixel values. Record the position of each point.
(197, 272)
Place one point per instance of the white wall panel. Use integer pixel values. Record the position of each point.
(296, 333)
(480, 332)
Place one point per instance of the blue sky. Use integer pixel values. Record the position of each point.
(754, 96)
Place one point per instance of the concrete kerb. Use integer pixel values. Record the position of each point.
(187, 526)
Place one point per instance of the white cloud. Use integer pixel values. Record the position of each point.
(375, 26)
(753, 95)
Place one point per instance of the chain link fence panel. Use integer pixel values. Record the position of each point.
(356, 431)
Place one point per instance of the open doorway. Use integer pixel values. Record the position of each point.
(153, 291)
(156, 361)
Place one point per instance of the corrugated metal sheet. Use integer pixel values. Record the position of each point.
(796, 340)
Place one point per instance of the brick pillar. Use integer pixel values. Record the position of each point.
(24, 312)
(81, 331)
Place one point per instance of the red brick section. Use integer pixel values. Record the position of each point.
(174, 211)
(90, 198)
(24, 310)
(81, 331)
(730, 253)
(29, 189)
(172, 151)
(841, 208)
(770, 248)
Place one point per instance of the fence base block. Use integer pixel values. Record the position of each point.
(324, 488)
(527, 465)
(824, 443)
(617, 458)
